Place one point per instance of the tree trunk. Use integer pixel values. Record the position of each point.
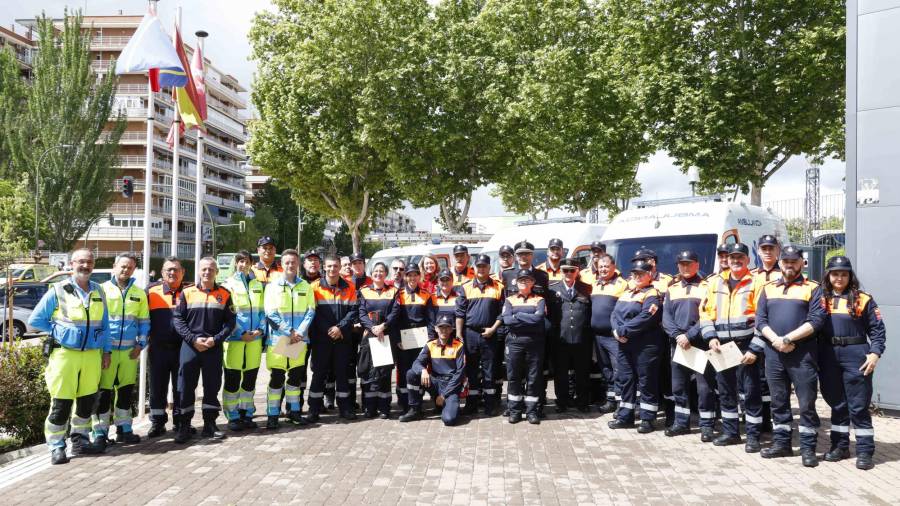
(755, 194)
(455, 224)
(354, 235)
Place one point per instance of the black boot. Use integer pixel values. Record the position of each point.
(836, 454)
(157, 429)
(412, 415)
(646, 427)
(620, 424)
(58, 456)
(776, 451)
(677, 430)
(183, 431)
(272, 422)
(248, 423)
(864, 462)
(809, 457)
(210, 430)
(127, 438)
(296, 418)
(727, 440)
(608, 407)
(81, 445)
(752, 445)
(707, 434)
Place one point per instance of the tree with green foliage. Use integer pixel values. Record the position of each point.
(12, 95)
(322, 67)
(574, 120)
(16, 219)
(440, 118)
(736, 88)
(66, 104)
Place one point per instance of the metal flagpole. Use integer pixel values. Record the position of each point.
(201, 190)
(175, 159)
(148, 203)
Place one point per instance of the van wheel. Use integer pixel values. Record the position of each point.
(18, 328)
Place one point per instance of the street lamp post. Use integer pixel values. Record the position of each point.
(37, 189)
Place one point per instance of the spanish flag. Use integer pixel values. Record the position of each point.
(192, 96)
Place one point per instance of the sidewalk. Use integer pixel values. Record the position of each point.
(571, 459)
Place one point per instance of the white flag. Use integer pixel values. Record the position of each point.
(149, 48)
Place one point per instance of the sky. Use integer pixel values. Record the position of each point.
(229, 49)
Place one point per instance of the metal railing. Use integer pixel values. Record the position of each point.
(109, 41)
(131, 89)
(228, 92)
(101, 65)
(830, 206)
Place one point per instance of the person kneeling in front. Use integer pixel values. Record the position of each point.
(438, 369)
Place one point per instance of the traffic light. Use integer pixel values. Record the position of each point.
(127, 187)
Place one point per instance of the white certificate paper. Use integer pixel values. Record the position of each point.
(284, 348)
(381, 351)
(414, 338)
(729, 356)
(692, 358)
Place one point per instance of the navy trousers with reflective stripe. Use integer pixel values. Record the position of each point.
(608, 356)
(706, 395)
(849, 394)
(524, 373)
(480, 368)
(329, 356)
(193, 364)
(639, 370)
(798, 368)
(730, 383)
(449, 412)
(164, 363)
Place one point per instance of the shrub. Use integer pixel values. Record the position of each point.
(24, 402)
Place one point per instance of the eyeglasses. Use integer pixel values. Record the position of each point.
(399, 268)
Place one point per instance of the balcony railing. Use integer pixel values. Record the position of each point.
(138, 210)
(223, 90)
(109, 42)
(131, 89)
(101, 65)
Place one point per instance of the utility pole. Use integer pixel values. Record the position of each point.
(299, 226)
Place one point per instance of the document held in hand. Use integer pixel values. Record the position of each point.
(284, 348)
(381, 351)
(414, 338)
(728, 356)
(692, 358)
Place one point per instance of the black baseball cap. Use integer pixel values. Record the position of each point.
(313, 253)
(598, 245)
(357, 257)
(641, 266)
(412, 269)
(791, 253)
(838, 263)
(768, 240)
(555, 243)
(506, 248)
(460, 248)
(264, 240)
(444, 274)
(524, 273)
(722, 248)
(738, 248)
(569, 263)
(482, 260)
(644, 254)
(524, 247)
(687, 256)
(444, 321)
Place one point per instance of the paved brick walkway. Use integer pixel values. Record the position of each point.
(573, 459)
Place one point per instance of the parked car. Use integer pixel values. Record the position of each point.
(28, 272)
(98, 276)
(24, 298)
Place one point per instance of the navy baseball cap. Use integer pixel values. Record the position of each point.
(722, 248)
(791, 253)
(264, 240)
(357, 257)
(460, 248)
(768, 240)
(506, 248)
(643, 254)
(412, 269)
(444, 274)
(597, 245)
(838, 263)
(524, 273)
(641, 266)
(483, 260)
(687, 256)
(738, 248)
(444, 321)
(555, 243)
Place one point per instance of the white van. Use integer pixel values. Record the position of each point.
(576, 237)
(698, 226)
(413, 254)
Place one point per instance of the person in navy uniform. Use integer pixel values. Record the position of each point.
(852, 341)
(439, 369)
(636, 325)
(525, 315)
(789, 314)
(569, 305)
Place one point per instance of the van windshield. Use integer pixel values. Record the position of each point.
(666, 249)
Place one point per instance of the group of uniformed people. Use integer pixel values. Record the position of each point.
(604, 338)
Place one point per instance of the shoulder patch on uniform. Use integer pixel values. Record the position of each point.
(878, 314)
(653, 308)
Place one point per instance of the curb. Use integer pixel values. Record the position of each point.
(6, 458)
